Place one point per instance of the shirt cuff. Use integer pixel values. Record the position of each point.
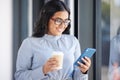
(79, 75)
(38, 74)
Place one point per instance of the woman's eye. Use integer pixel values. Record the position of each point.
(58, 20)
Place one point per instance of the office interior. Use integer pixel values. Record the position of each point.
(94, 23)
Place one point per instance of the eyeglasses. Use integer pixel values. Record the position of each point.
(59, 21)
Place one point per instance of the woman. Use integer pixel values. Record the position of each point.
(51, 33)
(114, 60)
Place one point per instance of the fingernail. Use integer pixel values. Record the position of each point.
(85, 56)
(82, 58)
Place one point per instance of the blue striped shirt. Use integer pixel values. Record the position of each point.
(34, 52)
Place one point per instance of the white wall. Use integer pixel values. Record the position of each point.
(72, 16)
(5, 39)
(30, 19)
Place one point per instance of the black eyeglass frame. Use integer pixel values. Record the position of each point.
(59, 21)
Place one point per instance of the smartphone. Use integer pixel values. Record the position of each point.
(88, 52)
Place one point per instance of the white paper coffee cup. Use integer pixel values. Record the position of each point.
(59, 56)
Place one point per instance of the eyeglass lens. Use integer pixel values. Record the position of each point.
(59, 21)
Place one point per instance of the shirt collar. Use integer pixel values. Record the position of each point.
(51, 37)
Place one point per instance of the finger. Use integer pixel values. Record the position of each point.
(80, 64)
(87, 59)
(85, 62)
(51, 66)
(83, 68)
(53, 63)
(53, 60)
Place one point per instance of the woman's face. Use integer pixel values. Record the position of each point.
(58, 23)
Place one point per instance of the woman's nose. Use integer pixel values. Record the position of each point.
(62, 25)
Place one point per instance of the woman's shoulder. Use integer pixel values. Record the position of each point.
(70, 38)
(32, 39)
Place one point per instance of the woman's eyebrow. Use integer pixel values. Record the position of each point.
(58, 17)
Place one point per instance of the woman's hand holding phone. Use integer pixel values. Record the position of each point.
(84, 61)
(84, 67)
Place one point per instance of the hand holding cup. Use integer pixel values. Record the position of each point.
(54, 63)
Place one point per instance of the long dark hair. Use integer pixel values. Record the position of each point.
(47, 11)
(118, 31)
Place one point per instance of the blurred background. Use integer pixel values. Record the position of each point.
(94, 23)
